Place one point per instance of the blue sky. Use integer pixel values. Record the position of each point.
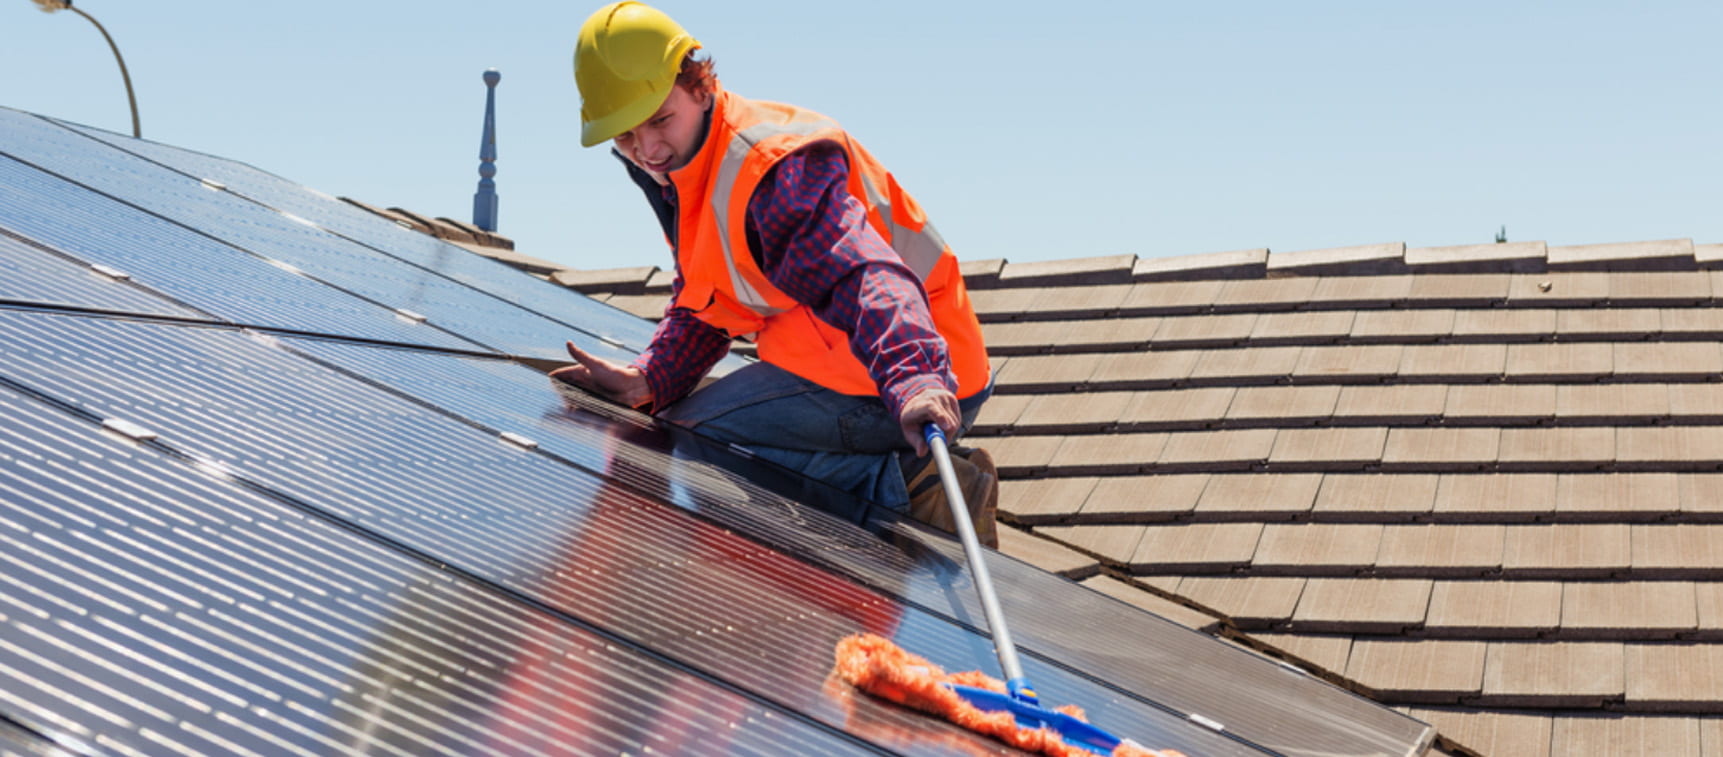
(1030, 131)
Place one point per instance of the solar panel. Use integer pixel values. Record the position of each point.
(318, 527)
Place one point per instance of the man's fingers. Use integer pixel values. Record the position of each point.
(579, 355)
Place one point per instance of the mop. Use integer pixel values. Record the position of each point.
(1010, 711)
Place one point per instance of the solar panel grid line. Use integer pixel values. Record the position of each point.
(36, 275)
(289, 240)
(821, 654)
(166, 630)
(362, 227)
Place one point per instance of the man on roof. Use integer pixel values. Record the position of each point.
(784, 229)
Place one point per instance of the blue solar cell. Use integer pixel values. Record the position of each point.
(284, 239)
(32, 275)
(153, 607)
(590, 545)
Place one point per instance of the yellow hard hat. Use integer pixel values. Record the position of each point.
(625, 63)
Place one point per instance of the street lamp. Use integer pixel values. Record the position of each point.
(49, 6)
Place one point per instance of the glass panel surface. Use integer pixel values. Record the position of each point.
(35, 276)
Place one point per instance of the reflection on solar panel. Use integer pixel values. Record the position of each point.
(250, 510)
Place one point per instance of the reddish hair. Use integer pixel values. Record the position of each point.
(697, 75)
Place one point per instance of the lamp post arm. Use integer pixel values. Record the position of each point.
(137, 131)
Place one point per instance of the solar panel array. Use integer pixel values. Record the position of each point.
(274, 480)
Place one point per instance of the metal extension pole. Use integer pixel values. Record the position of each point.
(1002, 643)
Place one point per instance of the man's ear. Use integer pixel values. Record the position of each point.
(703, 96)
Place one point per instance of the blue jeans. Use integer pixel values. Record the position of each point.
(849, 442)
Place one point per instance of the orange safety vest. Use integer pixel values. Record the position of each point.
(724, 287)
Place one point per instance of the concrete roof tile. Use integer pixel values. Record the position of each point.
(1629, 288)
(1196, 547)
(1249, 602)
(1020, 455)
(1501, 609)
(1495, 495)
(1547, 674)
(1567, 361)
(1690, 323)
(1628, 609)
(1249, 365)
(1680, 676)
(997, 305)
(1131, 595)
(981, 274)
(1505, 324)
(1560, 448)
(1144, 497)
(1348, 364)
(1607, 323)
(1459, 289)
(1235, 264)
(1139, 369)
(1106, 269)
(1566, 550)
(1266, 294)
(1618, 496)
(1660, 254)
(1322, 653)
(1613, 403)
(1283, 405)
(1399, 404)
(1708, 596)
(1403, 326)
(1170, 297)
(1696, 402)
(1375, 494)
(1362, 605)
(1678, 549)
(1318, 548)
(1708, 256)
(1500, 404)
(1177, 408)
(1679, 447)
(1440, 550)
(1114, 544)
(1478, 258)
(1668, 361)
(1047, 555)
(1454, 362)
(1108, 453)
(1558, 289)
(1044, 500)
(1372, 258)
(648, 306)
(1334, 448)
(613, 280)
(1588, 734)
(1259, 493)
(1000, 411)
(1700, 492)
(1029, 337)
(1361, 291)
(1218, 450)
(1492, 732)
(1303, 327)
(1418, 670)
(1187, 331)
(1075, 301)
(661, 282)
(1080, 412)
(1440, 448)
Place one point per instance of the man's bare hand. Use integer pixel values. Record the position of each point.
(935, 406)
(623, 383)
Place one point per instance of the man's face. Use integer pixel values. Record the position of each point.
(669, 139)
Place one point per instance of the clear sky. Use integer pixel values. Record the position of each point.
(1029, 131)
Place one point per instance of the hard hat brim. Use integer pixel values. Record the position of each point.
(604, 129)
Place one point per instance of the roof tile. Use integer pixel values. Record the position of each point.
(1339, 448)
(1303, 327)
(1679, 676)
(1147, 498)
(1398, 404)
(1501, 609)
(1248, 602)
(1167, 609)
(1505, 325)
(1232, 449)
(1196, 547)
(1177, 408)
(1144, 369)
(1492, 732)
(1046, 555)
(1589, 734)
(1074, 413)
(1453, 362)
(1022, 455)
(1607, 323)
(1358, 605)
(1677, 447)
(1075, 302)
(1701, 492)
(1558, 289)
(1568, 361)
(1188, 331)
(1107, 269)
(1318, 548)
(1708, 597)
(1613, 403)
(999, 412)
(1361, 291)
(1282, 405)
(1360, 364)
(613, 280)
(1561, 448)
(1634, 288)
(1628, 609)
(1663, 254)
(1677, 550)
(1260, 494)
(1266, 294)
(981, 274)
(1696, 402)
(1500, 404)
(1161, 298)
(1440, 550)
(1369, 258)
(1691, 323)
(1237, 264)
(1668, 361)
(1114, 544)
(1548, 674)
(1322, 653)
(1256, 365)
(1372, 495)
(1478, 258)
(1440, 448)
(1567, 550)
(995, 305)
(1413, 670)
(1403, 326)
(1108, 453)
(1496, 496)
(1618, 496)
(1459, 289)
(1044, 500)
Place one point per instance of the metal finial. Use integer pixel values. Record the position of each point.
(485, 200)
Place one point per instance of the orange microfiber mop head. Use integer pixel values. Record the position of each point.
(877, 666)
